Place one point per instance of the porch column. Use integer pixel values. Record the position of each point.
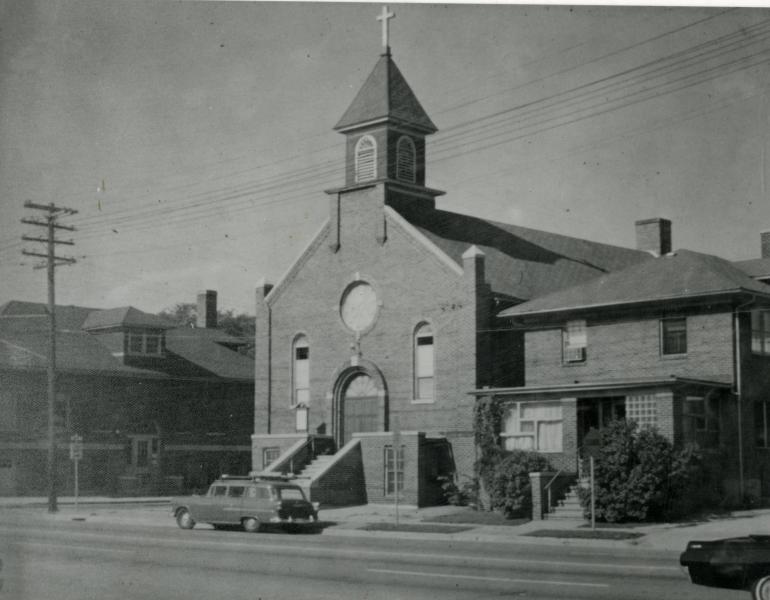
(569, 431)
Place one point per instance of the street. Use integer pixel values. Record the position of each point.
(69, 560)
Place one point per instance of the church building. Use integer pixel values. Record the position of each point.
(369, 349)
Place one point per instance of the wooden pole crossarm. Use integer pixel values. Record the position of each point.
(46, 224)
(28, 238)
(50, 208)
(66, 259)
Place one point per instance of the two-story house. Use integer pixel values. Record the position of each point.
(680, 342)
(160, 408)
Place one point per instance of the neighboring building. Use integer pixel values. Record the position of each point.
(160, 408)
(680, 342)
(368, 348)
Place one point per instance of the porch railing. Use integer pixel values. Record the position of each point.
(548, 488)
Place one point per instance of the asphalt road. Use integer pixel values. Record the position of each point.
(82, 561)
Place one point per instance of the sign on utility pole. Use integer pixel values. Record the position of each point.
(76, 453)
(50, 222)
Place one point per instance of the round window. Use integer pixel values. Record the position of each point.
(359, 306)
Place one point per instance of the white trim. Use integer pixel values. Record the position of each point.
(303, 256)
(442, 256)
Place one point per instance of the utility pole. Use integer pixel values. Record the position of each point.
(50, 222)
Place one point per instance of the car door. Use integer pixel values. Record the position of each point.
(231, 511)
(209, 508)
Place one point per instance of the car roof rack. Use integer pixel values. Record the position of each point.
(275, 476)
(237, 477)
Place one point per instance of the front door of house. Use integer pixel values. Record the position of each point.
(593, 415)
(361, 407)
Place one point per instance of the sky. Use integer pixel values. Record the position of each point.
(195, 138)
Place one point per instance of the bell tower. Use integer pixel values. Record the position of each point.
(385, 128)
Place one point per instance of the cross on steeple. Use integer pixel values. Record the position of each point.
(385, 17)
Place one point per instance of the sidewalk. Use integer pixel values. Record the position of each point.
(351, 521)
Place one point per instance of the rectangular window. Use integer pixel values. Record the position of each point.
(533, 426)
(673, 333)
(236, 491)
(269, 455)
(219, 490)
(760, 332)
(424, 364)
(574, 341)
(145, 343)
(301, 375)
(394, 470)
(761, 414)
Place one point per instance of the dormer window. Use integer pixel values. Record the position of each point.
(145, 343)
(406, 157)
(366, 159)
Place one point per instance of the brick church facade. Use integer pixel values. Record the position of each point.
(370, 346)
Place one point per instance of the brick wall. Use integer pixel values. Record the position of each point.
(630, 348)
(344, 483)
(413, 286)
(373, 457)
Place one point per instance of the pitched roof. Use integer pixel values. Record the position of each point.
(126, 316)
(191, 351)
(683, 274)
(386, 95)
(520, 262)
(758, 268)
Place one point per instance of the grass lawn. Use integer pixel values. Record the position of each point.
(414, 527)
(468, 516)
(587, 534)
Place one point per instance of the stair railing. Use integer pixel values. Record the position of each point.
(547, 489)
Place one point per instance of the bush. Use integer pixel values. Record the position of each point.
(465, 494)
(639, 476)
(507, 481)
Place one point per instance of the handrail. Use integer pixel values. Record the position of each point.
(548, 485)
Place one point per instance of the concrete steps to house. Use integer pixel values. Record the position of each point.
(316, 466)
(569, 507)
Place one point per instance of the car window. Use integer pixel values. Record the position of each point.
(218, 490)
(289, 493)
(236, 491)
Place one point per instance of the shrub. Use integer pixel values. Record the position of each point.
(464, 494)
(507, 482)
(639, 476)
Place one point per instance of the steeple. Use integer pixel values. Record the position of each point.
(385, 127)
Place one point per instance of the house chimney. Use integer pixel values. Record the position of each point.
(654, 236)
(765, 237)
(207, 310)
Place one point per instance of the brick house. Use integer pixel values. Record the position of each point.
(680, 342)
(160, 408)
(369, 346)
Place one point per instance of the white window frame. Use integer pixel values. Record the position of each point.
(574, 341)
(300, 375)
(424, 372)
(393, 470)
(406, 159)
(532, 429)
(365, 170)
(760, 332)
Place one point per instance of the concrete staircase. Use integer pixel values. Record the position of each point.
(316, 466)
(568, 508)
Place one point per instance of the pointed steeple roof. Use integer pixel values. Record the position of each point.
(386, 96)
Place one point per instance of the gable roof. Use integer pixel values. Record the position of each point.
(191, 352)
(386, 95)
(681, 275)
(520, 262)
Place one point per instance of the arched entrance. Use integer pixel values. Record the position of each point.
(359, 403)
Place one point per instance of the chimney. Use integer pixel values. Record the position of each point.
(765, 237)
(654, 236)
(207, 309)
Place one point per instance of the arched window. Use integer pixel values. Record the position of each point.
(366, 159)
(300, 372)
(423, 363)
(405, 159)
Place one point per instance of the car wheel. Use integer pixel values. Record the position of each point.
(184, 519)
(761, 589)
(251, 524)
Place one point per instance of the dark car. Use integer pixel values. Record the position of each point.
(248, 502)
(738, 563)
